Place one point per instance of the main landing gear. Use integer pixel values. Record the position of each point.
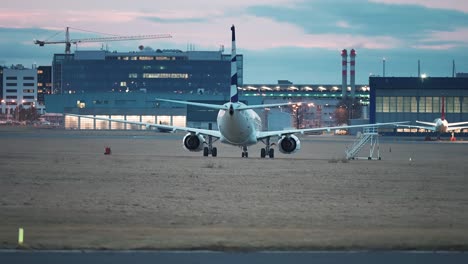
(210, 149)
(267, 150)
(245, 153)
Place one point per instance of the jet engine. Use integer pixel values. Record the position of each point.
(289, 144)
(193, 142)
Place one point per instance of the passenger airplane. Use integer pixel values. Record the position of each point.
(440, 125)
(238, 124)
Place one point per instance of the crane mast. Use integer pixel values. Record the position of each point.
(69, 41)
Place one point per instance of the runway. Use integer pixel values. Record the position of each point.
(151, 194)
(120, 257)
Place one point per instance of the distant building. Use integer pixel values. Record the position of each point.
(462, 74)
(44, 83)
(415, 98)
(19, 88)
(172, 71)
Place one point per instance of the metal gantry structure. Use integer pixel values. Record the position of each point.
(69, 41)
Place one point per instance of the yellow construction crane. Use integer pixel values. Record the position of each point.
(69, 41)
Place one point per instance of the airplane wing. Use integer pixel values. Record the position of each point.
(458, 123)
(451, 128)
(197, 131)
(426, 123)
(279, 133)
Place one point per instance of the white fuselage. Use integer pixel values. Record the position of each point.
(239, 128)
(441, 125)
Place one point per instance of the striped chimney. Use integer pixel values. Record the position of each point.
(344, 72)
(352, 72)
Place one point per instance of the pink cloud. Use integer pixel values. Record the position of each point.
(210, 32)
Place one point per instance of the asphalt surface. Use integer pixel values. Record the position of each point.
(120, 257)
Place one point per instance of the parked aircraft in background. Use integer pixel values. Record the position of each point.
(238, 124)
(440, 125)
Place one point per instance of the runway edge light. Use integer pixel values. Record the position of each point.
(20, 236)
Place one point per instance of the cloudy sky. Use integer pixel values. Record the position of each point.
(298, 40)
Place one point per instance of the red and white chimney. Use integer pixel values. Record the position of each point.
(352, 70)
(344, 72)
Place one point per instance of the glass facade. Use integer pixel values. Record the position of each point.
(409, 104)
(73, 122)
(110, 72)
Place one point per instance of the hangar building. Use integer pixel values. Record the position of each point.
(416, 98)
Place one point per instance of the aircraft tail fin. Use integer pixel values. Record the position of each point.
(233, 93)
(443, 109)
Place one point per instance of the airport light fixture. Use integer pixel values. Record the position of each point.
(423, 76)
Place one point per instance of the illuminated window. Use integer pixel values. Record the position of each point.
(422, 104)
(39, 84)
(406, 104)
(101, 124)
(465, 104)
(164, 120)
(146, 58)
(133, 118)
(392, 104)
(414, 104)
(449, 104)
(40, 72)
(428, 104)
(117, 125)
(456, 104)
(399, 104)
(148, 119)
(166, 75)
(179, 121)
(71, 122)
(133, 75)
(378, 104)
(386, 104)
(80, 104)
(86, 123)
(436, 105)
(123, 84)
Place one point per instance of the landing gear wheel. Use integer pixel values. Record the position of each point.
(271, 153)
(245, 154)
(205, 151)
(214, 152)
(262, 153)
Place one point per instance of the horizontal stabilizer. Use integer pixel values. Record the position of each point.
(245, 107)
(212, 106)
(426, 123)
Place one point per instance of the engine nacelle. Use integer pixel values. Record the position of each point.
(193, 142)
(289, 144)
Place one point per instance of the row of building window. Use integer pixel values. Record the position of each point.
(88, 123)
(16, 84)
(146, 58)
(166, 75)
(16, 97)
(16, 91)
(16, 78)
(422, 104)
